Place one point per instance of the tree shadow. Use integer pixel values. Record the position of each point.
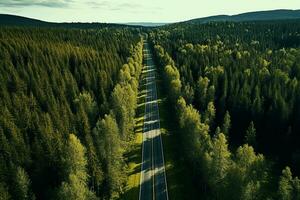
(130, 194)
(134, 155)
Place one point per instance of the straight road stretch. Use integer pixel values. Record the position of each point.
(153, 183)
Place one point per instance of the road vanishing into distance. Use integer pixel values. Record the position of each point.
(153, 183)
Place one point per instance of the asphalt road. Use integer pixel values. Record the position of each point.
(153, 183)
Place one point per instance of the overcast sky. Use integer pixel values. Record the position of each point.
(135, 10)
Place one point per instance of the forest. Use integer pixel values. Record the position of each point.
(235, 89)
(67, 104)
(68, 100)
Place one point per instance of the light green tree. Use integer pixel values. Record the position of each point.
(217, 164)
(173, 82)
(210, 113)
(74, 187)
(226, 124)
(201, 91)
(86, 102)
(124, 104)
(286, 185)
(22, 185)
(247, 177)
(110, 148)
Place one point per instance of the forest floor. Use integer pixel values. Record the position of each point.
(134, 156)
(179, 176)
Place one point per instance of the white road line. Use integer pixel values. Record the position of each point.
(142, 166)
(151, 135)
(150, 131)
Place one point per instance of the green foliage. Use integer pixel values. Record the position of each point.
(74, 188)
(173, 79)
(250, 75)
(22, 185)
(210, 113)
(195, 138)
(86, 102)
(4, 192)
(57, 81)
(124, 103)
(201, 91)
(251, 173)
(226, 124)
(288, 186)
(107, 137)
(74, 162)
(217, 164)
(250, 137)
(170, 73)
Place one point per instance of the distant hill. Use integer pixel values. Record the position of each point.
(146, 24)
(20, 21)
(13, 20)
(252, 16)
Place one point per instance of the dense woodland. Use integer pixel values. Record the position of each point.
(68, 100)
(67, 105)
(235, 88)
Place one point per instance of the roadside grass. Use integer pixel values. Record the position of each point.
(179, 177)
(134, 156)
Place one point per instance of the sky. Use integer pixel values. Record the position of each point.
(121, 11)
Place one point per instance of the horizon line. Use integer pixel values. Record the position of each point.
(147, 22)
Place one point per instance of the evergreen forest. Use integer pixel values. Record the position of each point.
(235, 88)
(69, 98)
(67, 105)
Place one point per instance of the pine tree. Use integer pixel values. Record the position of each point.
(110, 148)
(250, 137)
(124, 103)
(4, 192)
(217, 132)
(252, 172)
(285, 190)
(210, 114)
(201, 92)
(173, 82)
(296, 184)
(88, 104)
(22, 186)
(74, 162)
(226, 124)
(218, 163)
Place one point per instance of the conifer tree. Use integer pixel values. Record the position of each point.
(286, 185)
(110, 149)
(226, 124)
(22, 186)
(74, 161)
(250, 137)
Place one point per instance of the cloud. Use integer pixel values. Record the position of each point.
(41, 3)
(113, 6)
(96, 4)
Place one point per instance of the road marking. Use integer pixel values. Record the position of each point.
(153, 133)
(144, 128)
